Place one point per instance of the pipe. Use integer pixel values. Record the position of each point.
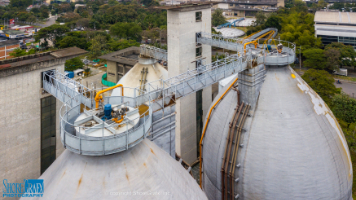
(226, 149)
(236, 147)
(254, 41)
(206, 124)
(98, 97)
(118, 121)
(227, 161)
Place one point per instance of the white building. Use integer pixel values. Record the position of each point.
(336, 27)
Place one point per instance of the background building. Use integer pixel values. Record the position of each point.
(29, 117)
(120, 62)
(336, 27)
(248, 8)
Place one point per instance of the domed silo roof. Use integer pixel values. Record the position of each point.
(133, 77)
(143, 172)
(291, 146)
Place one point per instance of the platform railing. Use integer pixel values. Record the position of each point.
(80, 143)
(153, 52)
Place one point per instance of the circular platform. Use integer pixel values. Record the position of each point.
(90, 126)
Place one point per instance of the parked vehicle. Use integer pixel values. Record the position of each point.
(341, 71)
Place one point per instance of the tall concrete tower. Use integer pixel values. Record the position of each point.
(183, 23)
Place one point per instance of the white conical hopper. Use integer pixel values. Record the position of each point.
(147, 70)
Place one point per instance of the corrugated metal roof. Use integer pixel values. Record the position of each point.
(335, 17)
(121, 56)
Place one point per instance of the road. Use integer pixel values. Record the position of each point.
(51, 21)
(348, 88)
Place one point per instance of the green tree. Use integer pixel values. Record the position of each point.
(314, 58)
(274, 21)
(332, 56)
(126, 30)
(115, 45)
(218, 18)
(97, 46)
(84, 22)
(53, 33)
(347, 53)
(73, 64)
(322, 83)
(260, 18)
(18, 52)
(71, 41)
(21, 4)
(344, 108)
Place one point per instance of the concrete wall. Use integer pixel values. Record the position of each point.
(182, 29)
(112, 72)
(20, 121)
(280, 3)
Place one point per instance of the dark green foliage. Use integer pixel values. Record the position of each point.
(126, 30)
(21, 4)
(274, 21)
(218, 18)
(133, 12)
(53, 33)
(115, 45)
(344, 108)
(73, 64)
(71, 41)
(315, 58)
(322, 83)
(18, 52)
(260, 18)
(347, 53)
(332, 56)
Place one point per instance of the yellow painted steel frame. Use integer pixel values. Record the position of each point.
(206, 125)
(266, 42)
(254, 41)
(98, 96)
(249, 36)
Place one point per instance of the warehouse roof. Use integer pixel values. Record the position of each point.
(123, 56)
(330, 17)
(41, 57)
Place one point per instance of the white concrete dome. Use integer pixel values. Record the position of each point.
(143, 172)
(292, 146)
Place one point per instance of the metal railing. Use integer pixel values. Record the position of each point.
(64, 88)
(153, 52)
(286, 57)
(76, 141)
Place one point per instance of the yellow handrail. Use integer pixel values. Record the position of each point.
(249, 36)
(266, 42)
(98, 97)
(206, 124)
(254, 41)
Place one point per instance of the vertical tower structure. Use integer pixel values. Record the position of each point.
(183, 23)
